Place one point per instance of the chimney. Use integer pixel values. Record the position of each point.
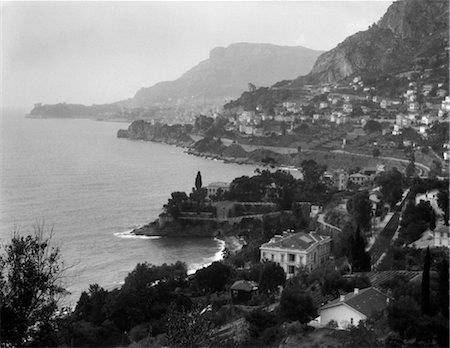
(342, 298)
(356, 291)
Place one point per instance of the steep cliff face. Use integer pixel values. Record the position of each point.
(410, 30)
(228, 71)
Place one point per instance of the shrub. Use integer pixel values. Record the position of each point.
(294, 328)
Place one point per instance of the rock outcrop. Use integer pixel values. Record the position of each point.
(411, 32)
(162, 133)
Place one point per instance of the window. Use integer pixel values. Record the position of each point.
(263, 255)
(291, 269)
(351, 321)
(291, 257)
(282, 257)
(272, 257)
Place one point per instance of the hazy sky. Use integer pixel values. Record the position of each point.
(99, 52)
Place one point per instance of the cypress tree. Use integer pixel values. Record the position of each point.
(443, 287)
(360, 259)
(198, 181)
(425, 303)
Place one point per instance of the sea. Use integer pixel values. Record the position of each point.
(75, 177)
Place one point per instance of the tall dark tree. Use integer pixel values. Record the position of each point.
(410, 170)
(198, 181)
(443, 202)
(425, 294)
(359, 258)
(30, 287)
(360, 209)
(443, 287)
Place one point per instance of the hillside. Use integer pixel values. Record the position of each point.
(228, 70)
(411, 33)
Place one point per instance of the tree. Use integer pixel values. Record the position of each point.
(372, 126)
(443, 202)
(391, 183)
(443, 287)
(425, 294)
(260, 320)
(272, 276)
(187, 329)
(403, 316)
(410, 170)
(214, 277)
(198, 181)
(359, 207)
(30, 288)
(376, 152)
(359, 257)
(297, 304)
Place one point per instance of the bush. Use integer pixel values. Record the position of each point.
(332, 324)
(294, 328)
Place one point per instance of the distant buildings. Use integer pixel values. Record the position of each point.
(215, 187)
(358, 179)
(340, 179)
(294, 251)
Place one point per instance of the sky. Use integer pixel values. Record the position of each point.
(100, 52)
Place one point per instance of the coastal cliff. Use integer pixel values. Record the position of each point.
(179, 228)
(161, 133)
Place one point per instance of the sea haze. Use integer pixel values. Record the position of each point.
(77, 176)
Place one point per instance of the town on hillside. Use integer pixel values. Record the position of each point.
(339, 238)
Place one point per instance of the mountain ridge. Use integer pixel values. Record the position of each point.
(228, 70)
(407, 29)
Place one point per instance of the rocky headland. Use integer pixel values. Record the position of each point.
(179, 228)
(161, 133)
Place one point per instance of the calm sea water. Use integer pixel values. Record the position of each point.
(91, 187)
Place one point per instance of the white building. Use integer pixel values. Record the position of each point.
(215, 187)
(294, 251)
(358, 179)
(348, 310)
(433, 239)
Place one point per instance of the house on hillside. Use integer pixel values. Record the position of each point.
(433, 239)
(348, 310)
(294, 251)
(359, 179)
(340, 179)
(243, 290)
(215, 187)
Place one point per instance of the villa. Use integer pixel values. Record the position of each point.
(294, 251)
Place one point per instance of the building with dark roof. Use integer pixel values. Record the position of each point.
(348, 310)
(294, 251)
(243, 290)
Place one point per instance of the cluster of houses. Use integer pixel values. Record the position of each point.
(341, 179)
(422, 104)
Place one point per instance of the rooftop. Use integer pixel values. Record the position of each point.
(365, 301)
(297, 241)
(219, 184)
(244, 285)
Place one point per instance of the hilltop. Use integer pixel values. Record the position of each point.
(411, 36)
(411, 33)
(228, 71)
(224, 75)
